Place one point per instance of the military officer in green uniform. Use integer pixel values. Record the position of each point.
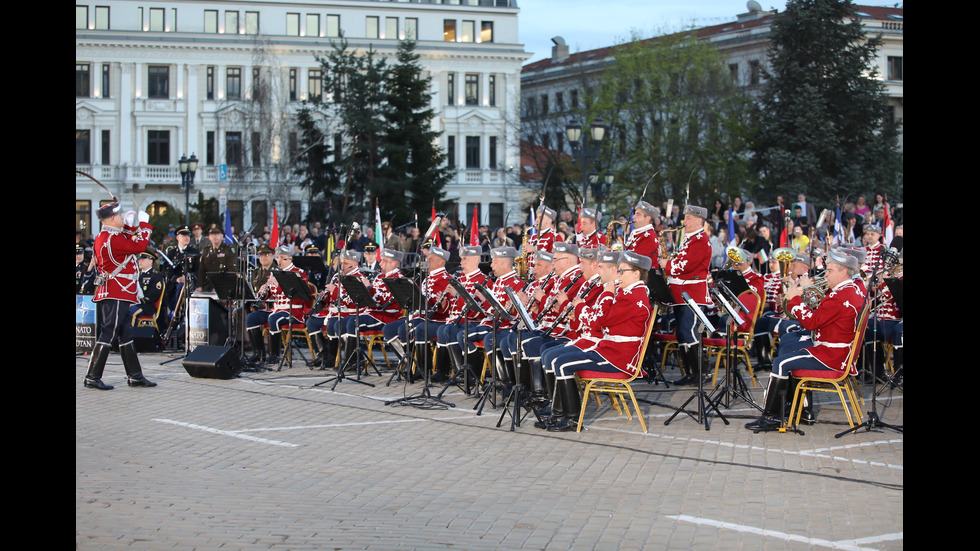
(218, 256)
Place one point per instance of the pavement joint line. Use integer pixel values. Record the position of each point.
(233, 434)
(854, 544)
(336, 425)
(803, 453)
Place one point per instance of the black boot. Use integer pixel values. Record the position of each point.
(318, 349)
(775, 402)
(96, 364)
(349, 359)
(456, 358)
(444, 367)
(763, 350)
(557, 403)
(807, 417)
(131, 361)
(689, 358)
(539, 392)
(275, 344)
(571, 406)
(258, 346)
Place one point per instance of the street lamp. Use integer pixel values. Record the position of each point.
(585, 147)
(600, 190)
(187, 169)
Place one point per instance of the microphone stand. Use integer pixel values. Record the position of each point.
(469, 306)
(518, 394)
(362, 299)
(408, 297)
(734, 384)
(704, 401)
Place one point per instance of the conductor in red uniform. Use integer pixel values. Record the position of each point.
(122, 238)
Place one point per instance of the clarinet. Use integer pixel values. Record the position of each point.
(568, 309)
(533, 301)
(551, 302)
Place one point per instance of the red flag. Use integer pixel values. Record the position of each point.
(474, 230)
(435, 236)
(578, 221)
(275, 228)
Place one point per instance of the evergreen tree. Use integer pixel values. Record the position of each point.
(416, 166)
(823, 123)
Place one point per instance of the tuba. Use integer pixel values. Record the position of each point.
(735, 256)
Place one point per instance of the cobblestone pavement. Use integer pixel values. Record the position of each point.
(269, 461)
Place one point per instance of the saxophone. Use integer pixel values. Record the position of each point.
(520, 263)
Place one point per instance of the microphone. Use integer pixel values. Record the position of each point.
(435, 224)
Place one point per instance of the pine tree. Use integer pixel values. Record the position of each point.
(416, 166)
(823, 122)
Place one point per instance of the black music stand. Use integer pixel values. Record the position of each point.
(733, 385)
(409, 297)
(498, 313)
(294, 287)
(359, 295)
(520, 396)
(659, 292)
(229, 287)
(704, 402)
(470, 306)
(312, 265)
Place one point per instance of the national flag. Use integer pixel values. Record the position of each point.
(887, 230)
(229, 238)
(533, 228)
(731, 227)
(838, 227)
(275, 228)
(377, 226)
(474, 230)
(435, 235)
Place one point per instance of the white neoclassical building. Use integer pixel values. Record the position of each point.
(155, 81)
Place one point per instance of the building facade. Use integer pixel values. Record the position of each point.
(552, 88)
(155, 81)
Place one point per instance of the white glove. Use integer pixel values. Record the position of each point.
(129, 218)
(144, 217)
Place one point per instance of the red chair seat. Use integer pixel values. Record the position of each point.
(604, 375)
(663, 337)
(720, 342)
(817, 374)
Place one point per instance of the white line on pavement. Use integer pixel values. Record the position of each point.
(842, 544)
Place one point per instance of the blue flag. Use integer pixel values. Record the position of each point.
(229, 238)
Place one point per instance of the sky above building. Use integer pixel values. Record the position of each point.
(590, 24)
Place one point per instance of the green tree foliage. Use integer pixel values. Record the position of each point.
(672, 106)
(416, 167)
(389, 151)
(823, 121)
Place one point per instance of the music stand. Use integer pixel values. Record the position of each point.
(498, 313)
(359, 295)
(734, 384)
(294, 287)
(470, 305)
(231, 287)
(409, 297)
(518, 394)
(311, 265)
(659, 292)
(704, 402)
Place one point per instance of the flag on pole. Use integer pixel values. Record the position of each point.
(377, 226)
(474, 231)
(534, 229)
(838, 227)
(435, 236)
(275, 228)
(886, 229)
(731, 227)
(784, 236)
(229, 238)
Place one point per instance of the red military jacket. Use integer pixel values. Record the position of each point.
(589, 292)
(887, 307)
(116, 248)
(624, 324)
(688, 270)
(382, 296)
(346, 307)
(773, 285)
(832, 324)
(511, 280)
(592, 241)
(569, 282)
(589, 316)
(434, 291)
(543, 241)
(645, 241)
(280, 302)
(871, 258)
(469, 282)
(757, 284)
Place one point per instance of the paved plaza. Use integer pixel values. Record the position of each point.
(270, 461)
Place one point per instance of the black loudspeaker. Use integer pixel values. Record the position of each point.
(145, 339)
(213, 362)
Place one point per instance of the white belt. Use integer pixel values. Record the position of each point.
(621, 338)
(675, 281)
(832, 344)
(124, 276)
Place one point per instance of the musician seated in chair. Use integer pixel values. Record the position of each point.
(284, 310)
(832, 325)
(153, 285)
(624, 324)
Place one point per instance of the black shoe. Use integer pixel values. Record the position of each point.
(683, 381)
(807, 417)
(763, 424)
(439, 377)
(96, 383)
(545, 422)
(563, 425)
(139, 380)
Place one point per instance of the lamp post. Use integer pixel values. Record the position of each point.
(585, 147)
(187, 169)
(600, 190)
